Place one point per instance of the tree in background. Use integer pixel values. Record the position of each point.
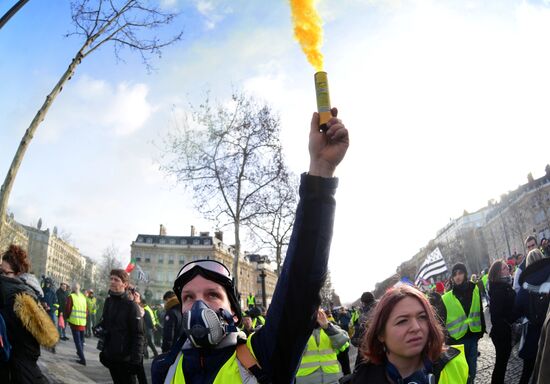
(273, 228)
(228, 157)
(124, 24)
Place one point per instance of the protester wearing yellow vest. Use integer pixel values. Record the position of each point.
(76, 317)
(319, 363)
(91, 302)
(151, 324)
(211, 310)
(251, 300)
(465, 321)
(405, 344)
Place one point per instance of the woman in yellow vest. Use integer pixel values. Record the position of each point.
(320, 362)
(405, 344)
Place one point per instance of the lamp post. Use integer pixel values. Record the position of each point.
(261, 267)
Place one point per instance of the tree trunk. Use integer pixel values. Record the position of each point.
(12, 11)
(278, 252)
(5, 190)
(237, 253)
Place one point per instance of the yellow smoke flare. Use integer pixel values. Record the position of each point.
(308, 30)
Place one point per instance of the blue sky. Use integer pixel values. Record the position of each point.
(446, 103)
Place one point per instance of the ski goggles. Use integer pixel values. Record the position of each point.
(208, 265)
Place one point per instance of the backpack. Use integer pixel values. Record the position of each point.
(5, 346)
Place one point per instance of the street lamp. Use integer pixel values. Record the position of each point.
(261, 267)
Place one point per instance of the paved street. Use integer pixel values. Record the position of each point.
(62, 368)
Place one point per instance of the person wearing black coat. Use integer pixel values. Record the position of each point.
(121, 327)
(502, 316)
(62, 296)
(532, 301)
(172, 326)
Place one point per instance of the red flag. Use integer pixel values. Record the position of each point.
(131, 265)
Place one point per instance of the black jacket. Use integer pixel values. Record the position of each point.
(172, 328)
(502, 311)
(22, 366)
(367, 372)
(124, 333)
(62, 299)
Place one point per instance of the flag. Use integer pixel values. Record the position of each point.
(131, 265)
(432, 266)
(141, 275)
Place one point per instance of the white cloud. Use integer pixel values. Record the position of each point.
(212, 11)
(89, 103)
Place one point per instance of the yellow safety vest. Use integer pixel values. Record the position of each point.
(251, 300)
(92, 305)
(456, 370)
(259, 319)
(230, 372)
(319, 356)
(457, 322)
(78, 312)
(154, 319)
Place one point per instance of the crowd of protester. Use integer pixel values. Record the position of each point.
(422, 335)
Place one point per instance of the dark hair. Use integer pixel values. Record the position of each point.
(121, 274)
(373, 349)
(17, 258)
(168, 295)
(494, 271)
(367, 298)
(531, 238)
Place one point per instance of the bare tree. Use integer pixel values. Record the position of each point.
(227, 158)
(110, 259)
(125, 24)
(272, 229)
(327, 293)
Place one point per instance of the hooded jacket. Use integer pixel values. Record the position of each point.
(172, 328)
(532, 301)
(28, 326)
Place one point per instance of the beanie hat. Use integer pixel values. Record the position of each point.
(440, 287)
(459, 267)
(367, 297)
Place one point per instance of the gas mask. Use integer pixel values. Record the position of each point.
(206, 327)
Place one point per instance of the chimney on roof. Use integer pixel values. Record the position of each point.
(192, 230)
(162, 231)
(204, 234)
(219, 235)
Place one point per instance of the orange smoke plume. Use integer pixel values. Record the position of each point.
(307, 30)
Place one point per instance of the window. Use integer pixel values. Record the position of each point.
(207, 242)
(196, 242)
(140, 240)
(182, 260)
(171, 259)
(138, 259)
(172, 241)
(149, 240)
(162, 241)
(147, 259)
(161, 259)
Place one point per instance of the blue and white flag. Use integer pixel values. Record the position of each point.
(141, 275)
(432, 266)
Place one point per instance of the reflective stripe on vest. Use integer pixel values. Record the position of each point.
(457, 322)
(456, 370)
(251, 300)
(259, 319)
(78, 311)
(318, 356)
(154, 319)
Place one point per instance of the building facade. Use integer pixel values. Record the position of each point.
(53, 257)
(161, 257)
(13, 233)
